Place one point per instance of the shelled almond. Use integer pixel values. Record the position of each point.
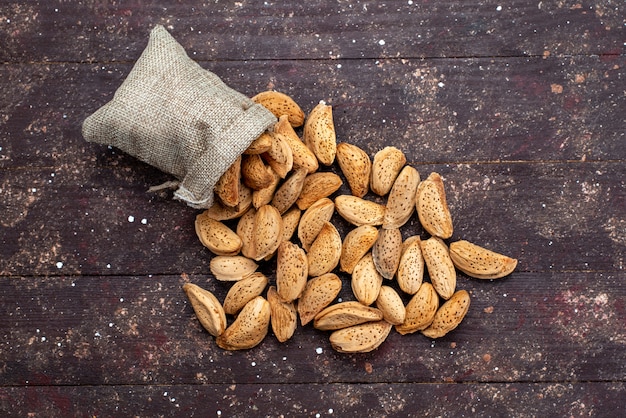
(274, 206)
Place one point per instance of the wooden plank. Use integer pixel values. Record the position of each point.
(100, 220)
(448, 111)
(381, 400)
(141, 330)
(103, 32)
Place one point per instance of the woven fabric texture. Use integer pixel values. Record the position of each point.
(174, 115)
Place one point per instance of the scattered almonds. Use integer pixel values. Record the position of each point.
(280, 155)
(386, 252)
(255, 174)
(356, 167)
(227, 187)
(385, 168)
(281, 104)
(291, 220)
(207, 308)
(303, 157)
(479, 262)
(284, 318)
(318, 293)
(245, 232)
(449, 315)
(313, 220)
(216, 236)
(292, 270)
(420, 311)
(432, 207)
(356, 244)
(319, 133)
(366, 280)
(249, 328)
(325, 251)
(267, 232)
(317, 186)
(274, 190)
(345, 314)
(243, 291)
(401, 200)
(410, 273)
(260, 145)
(390, 304)
(439, 265)
(232, 268)
(359, 211)
(361, 338)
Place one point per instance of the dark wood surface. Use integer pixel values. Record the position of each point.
(519, 105)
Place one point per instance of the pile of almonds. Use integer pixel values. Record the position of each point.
(275, 191)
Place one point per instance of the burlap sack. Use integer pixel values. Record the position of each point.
(173, 114)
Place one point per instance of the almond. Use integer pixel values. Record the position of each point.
(359, 211)
(361, 338)
(391, 305)
(345, 314)
(410, 273)
(284, 318)
(318, 293)
(432, 207)
(268, 231)
(249, 328)
(260, 145)
(216, 236)
(221, 212)
(439, 265)
(291, 271)
(227, 186)
(281, 104)
(420, 310)
(366, 280)
(317, 186)
(386, 166)
(449, 315)
(244, 291)
(255, 173)
(312, 221)
(279, 156)
(356, 167)
(356, 244)
(401, 200)
(291, 220)
(319, 133)
(386, 252)
(479, 262)
(324, 254)
(289, 191)
(232, 268)
(264, 196)
(245, 231)
(303, 157)
(208, 309)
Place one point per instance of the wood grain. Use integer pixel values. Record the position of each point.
(75, 31)
(329, 400)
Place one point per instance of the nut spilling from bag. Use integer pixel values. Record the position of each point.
(276, 190)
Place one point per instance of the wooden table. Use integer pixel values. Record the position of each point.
(519, 105)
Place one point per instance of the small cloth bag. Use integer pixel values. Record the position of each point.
(176, 116)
